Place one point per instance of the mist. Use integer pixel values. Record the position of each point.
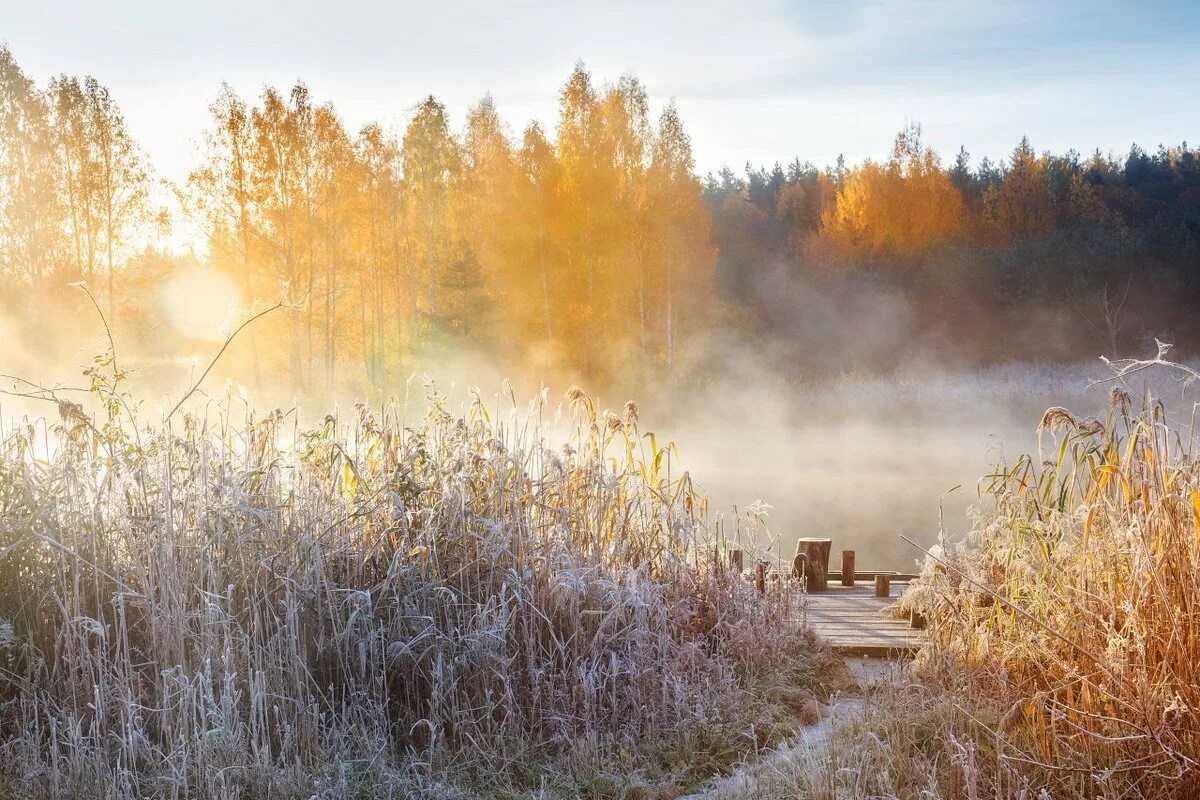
(891, 433)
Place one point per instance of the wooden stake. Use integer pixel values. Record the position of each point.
(847, 568)
(883, 585)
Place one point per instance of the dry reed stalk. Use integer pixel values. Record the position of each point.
(365, 609)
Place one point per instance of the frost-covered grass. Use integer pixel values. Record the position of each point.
(211, 608)
(1064, 658)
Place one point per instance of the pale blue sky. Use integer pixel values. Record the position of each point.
(758, 81)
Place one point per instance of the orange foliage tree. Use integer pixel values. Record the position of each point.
(903, 207)
(546, 248)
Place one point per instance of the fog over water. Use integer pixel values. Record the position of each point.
(862, 460)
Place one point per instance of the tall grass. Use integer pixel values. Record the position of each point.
(1063, 658)
(369, 608)
(1065, 634)
(1083, 602)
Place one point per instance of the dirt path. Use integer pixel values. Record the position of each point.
(810, 745)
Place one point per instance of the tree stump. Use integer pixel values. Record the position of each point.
(847, 568)
(812, 561)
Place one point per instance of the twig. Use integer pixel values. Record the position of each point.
(112, 347)
(217, 357)
(1127, 366)
(47, 390)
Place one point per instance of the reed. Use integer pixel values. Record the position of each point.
(232, 605)
(1064, 650)
(1078, 605)
(1064, 645)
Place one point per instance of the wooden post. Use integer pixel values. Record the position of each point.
(760, 577)
(847, 568)
(916, 620)
(816, 549)
(736, 561)
(812, 560)
(883, 585)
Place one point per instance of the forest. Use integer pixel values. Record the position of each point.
(340, 578)
(593, 249)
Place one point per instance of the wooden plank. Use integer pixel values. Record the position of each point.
(855, 622)
(897, 577)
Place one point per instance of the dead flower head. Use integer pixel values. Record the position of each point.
(1057, 419)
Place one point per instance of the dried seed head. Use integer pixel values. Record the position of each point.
(70, 412)
(1014, 717)
(612, 421)
(1119, 398)
(631, 412)
(810, 712)
(1057, 418)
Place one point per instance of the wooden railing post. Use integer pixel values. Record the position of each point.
(847, 568)
(883, 585)
(736, 561)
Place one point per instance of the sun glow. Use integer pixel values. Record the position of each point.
(200, 303)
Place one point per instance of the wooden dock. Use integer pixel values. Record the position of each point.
(856, 622)
(849, 608)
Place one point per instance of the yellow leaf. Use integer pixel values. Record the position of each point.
(1196, 512)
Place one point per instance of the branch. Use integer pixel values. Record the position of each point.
(1128, 366)
(217, 357)
(112, 347)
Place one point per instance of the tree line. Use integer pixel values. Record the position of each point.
(1038, 256)
(595, 246)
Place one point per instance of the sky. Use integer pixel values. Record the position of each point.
(756, 81)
